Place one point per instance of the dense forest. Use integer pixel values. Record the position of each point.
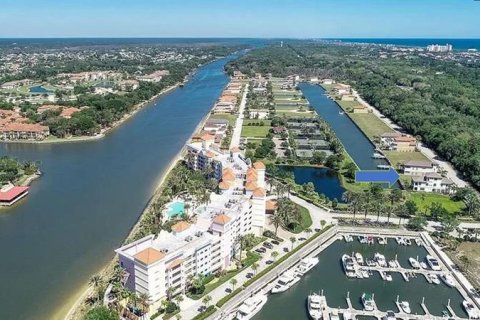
(438, 101)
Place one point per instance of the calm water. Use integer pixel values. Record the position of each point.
(38, 89)
(90, 196)
(325, 180)
(355, 142)
(328, 276)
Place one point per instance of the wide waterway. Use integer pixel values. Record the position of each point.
(356, 143)
(90, 196)
(328, 276)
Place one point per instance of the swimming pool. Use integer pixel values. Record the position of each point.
(175, 209)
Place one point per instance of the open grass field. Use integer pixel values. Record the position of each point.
(255, 131)
(289, 114)
(285, 107)
(470, 250)
(306, 220)
(348, 104)
(396, 157)
(227, 116)
(370, 124)
(424, 201)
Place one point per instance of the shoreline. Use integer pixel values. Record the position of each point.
(105, 131)
(74, 310)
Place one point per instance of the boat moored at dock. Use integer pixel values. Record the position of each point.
(306, 265)
(316, 306)
(448, 279)
(470, 309)
(285, 281)
(405, 306)
(251, 306)
(414, 263)
(348, 266)
(433, 263)
(368, 302)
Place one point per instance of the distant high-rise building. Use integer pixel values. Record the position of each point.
(439, 48)
(281, 44)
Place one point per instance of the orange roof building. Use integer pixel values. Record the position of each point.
(149, 256)
(222, 219)
(180, 226)
(259, 193)
(224, 185)
(259, 165)
(251, 186)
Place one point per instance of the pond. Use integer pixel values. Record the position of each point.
(39, 90)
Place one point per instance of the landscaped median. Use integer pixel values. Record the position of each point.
(205, 314)
(249, 282)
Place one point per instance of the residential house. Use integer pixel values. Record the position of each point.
(432, 182)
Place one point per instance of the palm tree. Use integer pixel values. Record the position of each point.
(206, 300)
(170, 291)
(255, 267)
(97, 283)
(308, 231)
(178, 299)
(367, 197)
(395, 195)
(274, 255)
(143, 299)
(323, 223)
(292, 240)
(233, 282)
(276, 220)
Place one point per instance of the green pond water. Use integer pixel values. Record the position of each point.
(328, 276)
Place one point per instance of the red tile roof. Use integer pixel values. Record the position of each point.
(149, 256)
(221, 219)
(259, 165)
(12, 193)
(180, 226)
(259, 192)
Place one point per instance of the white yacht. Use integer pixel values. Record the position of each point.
(393, 264)
(386, 276)
(471, 310)
(400, 240)
(368, 302)
(333, 315)
(306, 265)
(285, 281)
(359, 258)
(448, 279)
(382, 240)
(433, 263)
(363, 239)
(316, 306)
(390, 315)
(251, 306)
(414, 263)
(433, 278)
(405, 306)
(408, 242)
(423, 265)
(364, 273)
(347, 238)
(380, 258)
(348, 266)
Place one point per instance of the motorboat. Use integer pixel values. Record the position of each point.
(333, 315)
(390, 315)
(448, 279)
(251, 306)
(433, 278)
(347, 238)
(382, 240)
(306, 265)
(423, 265)
(316, 305)
(363, 239)
(393, 264)
(348, 266)
(380, 258)
(405, 306)
(368, 302)
(386, 276)
(364, 273)
(377, 155)
(408, 242)
(400, 241)
(414, 263)
(433, 263)
(470, 310)
(370, 240)
(418, 241)
(371, 263)
(359, 258)
(285, 281)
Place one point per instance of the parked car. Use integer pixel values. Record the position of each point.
(261, 250)
(268, 245)
(275, 242)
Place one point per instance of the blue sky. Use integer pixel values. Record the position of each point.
(240, 18)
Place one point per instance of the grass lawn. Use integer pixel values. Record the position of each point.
(255, 131)
(396, 157)
(471, 250)
(227, 116)
(370, 124)
(289, 114)
(306, 220)
(284, 107)
(424, 200)
(348, 104)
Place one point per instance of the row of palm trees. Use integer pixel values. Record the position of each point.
(377, 200)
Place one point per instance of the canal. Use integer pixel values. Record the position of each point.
(90, 196)
(328, 276)
(355, 142)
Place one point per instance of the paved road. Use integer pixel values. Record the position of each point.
(237, 131)
(452, 174)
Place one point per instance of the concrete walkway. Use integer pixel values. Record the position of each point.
(237, 131)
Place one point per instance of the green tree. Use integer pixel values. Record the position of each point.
(206, 300)
(233, 282)
(101, 313)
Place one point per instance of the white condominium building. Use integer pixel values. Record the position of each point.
(160, 265)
